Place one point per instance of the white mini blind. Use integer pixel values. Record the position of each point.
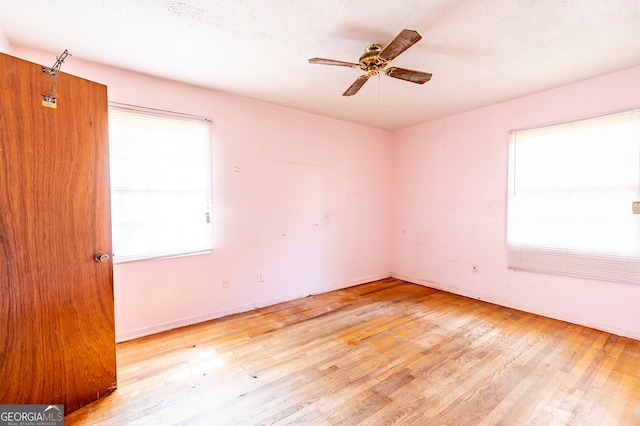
(161, 189)
(571, 191)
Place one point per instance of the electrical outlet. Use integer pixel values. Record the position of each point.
(475, 270)
(260, 276)
(225, 283)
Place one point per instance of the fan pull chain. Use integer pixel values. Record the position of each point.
(378, 118)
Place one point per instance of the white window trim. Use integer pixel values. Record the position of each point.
(608, 263)
(204, 231)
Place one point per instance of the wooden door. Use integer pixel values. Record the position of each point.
(57, 338)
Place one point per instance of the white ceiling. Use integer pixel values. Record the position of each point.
(479, 51)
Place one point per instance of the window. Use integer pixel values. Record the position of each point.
(571, 190)
(160, 183)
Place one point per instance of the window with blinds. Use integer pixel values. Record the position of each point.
(572, 189)
(161, 189)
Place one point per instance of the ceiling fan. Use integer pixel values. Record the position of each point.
(375, 59)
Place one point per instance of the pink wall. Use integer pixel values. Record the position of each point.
(309, 207)
(450, 181)
(5, 46)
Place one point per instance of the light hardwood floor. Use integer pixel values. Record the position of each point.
(382, 353)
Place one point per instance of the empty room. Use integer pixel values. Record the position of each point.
(320, 213)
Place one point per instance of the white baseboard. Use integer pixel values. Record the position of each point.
(620, 331)
(183, 322)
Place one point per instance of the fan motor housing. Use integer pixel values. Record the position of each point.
(370, 61)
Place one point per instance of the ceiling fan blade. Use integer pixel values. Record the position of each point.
(402, 42)
(353, 89)
(323, 61)
(408, 75)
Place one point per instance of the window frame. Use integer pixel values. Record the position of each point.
(615, 262)
(205, 240)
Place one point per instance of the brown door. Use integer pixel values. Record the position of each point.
(57, 339)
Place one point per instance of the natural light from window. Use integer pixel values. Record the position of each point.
(160, 183)
(571, 189)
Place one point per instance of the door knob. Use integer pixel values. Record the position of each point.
(101, 257)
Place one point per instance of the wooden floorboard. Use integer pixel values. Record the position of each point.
(382, 353)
